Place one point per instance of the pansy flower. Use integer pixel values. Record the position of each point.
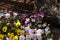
(1, 36)
(44, 24)
(4, 29)
(18, 23)
(19, 31)
(41, 14)
(15, 38)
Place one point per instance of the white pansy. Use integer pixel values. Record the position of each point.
(21, 37)
(7, 15)
(33, 20)
(34, 37)
(22, 27)
(28, 37)
(27, 29)
(31, 31)
(39, 25)
(8, 23)
(47, 31)
(39, 37)
(15, 14)
(39, 32)
(44, 24)
(23, 31)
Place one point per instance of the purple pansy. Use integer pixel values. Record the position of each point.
(35, 15)
(41, 14)
(2, 17)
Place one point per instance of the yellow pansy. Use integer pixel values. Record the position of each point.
(1, 36)
(18, 23)
(9, 34)
(12, 34)
(15, 38)
(19, 31)
(4, 29)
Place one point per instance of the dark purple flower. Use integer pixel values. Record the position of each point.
(2, 17)
(19, 14)
(12, 21)
(11, 14)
